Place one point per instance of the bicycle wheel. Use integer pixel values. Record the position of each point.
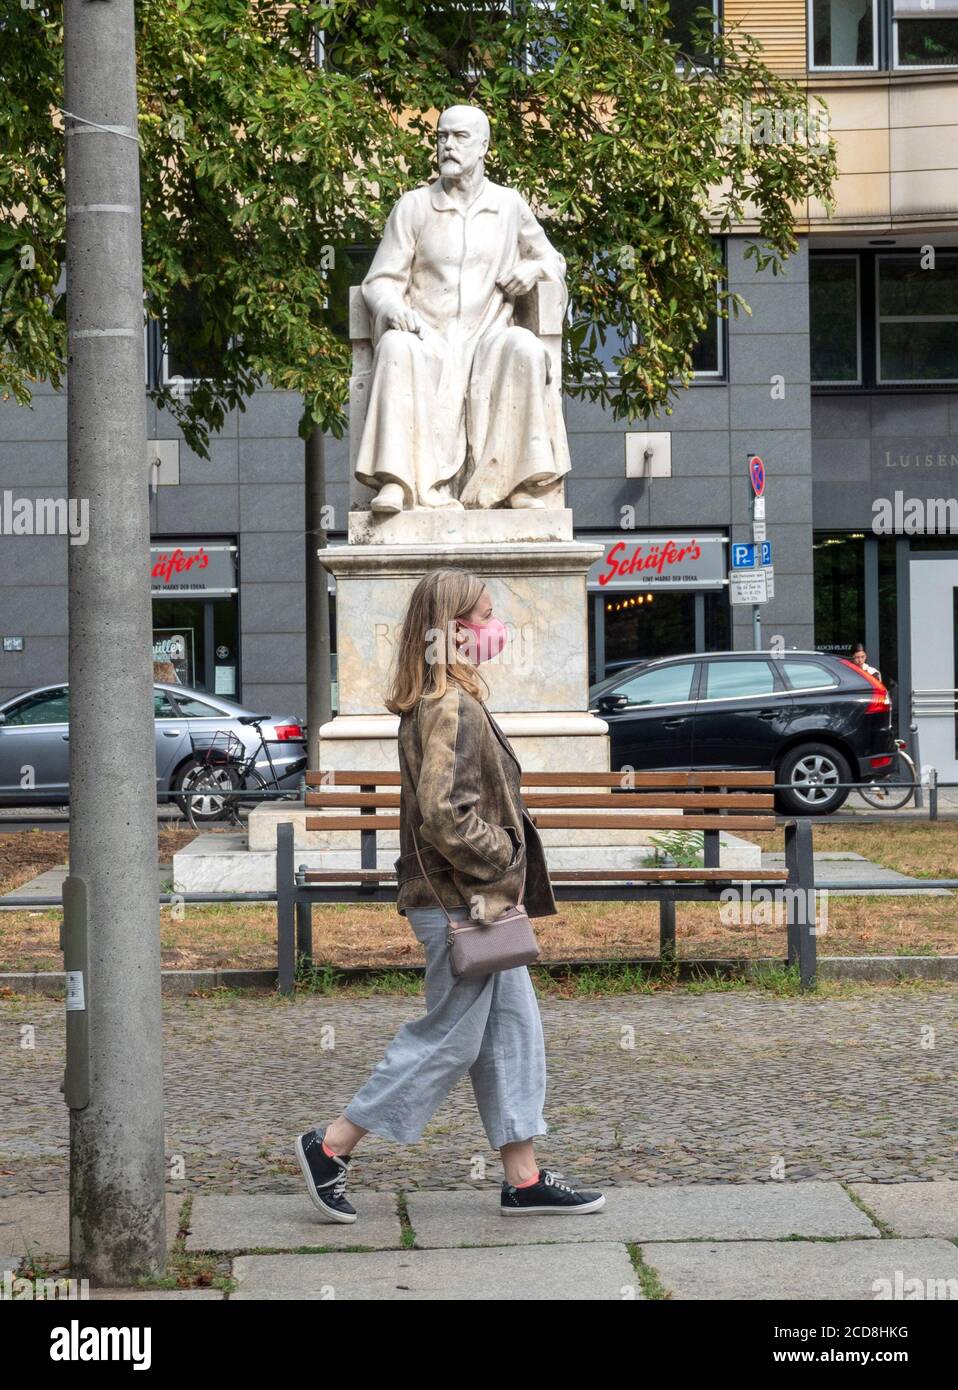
(890, 798)
(208, 783)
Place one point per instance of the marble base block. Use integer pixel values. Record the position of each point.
(455, 526)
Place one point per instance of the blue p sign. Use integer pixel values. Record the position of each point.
(766, 552)
(743, 557)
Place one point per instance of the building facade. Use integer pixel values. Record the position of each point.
(844, 379)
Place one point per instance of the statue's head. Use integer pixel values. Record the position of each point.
(462, 139)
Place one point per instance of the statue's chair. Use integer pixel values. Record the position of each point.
(540, 311)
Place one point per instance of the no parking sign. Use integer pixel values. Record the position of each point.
(756, 473)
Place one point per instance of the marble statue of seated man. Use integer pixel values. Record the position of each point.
(462, 409)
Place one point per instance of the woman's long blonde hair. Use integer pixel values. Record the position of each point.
(426, 656)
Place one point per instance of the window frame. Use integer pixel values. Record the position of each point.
(859, 347)
(878, 319)
(874, 66)
(868, 328)
(895, 65)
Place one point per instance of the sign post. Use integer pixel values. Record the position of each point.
(756, 476)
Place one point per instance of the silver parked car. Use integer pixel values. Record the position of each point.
(35, 734)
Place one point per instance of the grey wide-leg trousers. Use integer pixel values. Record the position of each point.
(488, 1025)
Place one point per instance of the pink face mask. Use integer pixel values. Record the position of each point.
(485, 640)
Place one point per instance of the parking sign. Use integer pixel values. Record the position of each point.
(743, 556)
(766, 553)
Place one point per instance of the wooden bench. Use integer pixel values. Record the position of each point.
(368, 802)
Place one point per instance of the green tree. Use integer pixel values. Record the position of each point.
(259, 170)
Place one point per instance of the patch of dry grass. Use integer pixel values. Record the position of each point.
(217, 936)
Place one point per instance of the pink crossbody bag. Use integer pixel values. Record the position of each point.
(481, 948)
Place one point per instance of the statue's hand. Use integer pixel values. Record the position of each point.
(520, 279)
(407, 320)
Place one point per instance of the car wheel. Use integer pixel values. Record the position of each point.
(211, 782)
(813, 772)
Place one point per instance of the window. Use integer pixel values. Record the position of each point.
(925, 34)
(807, 675)
(189, 349)
(349, 270)
(833, 320)
(883, 319)
(163, 706)
(687, 15)
(191, 708)
(917, 319)
(708, 352)
(839, 590)
(663, 686)
(45, 707)
(726, 679)
(842, 34)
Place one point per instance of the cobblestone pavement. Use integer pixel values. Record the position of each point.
(666, 1088)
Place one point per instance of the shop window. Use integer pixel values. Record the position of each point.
(917, 319)
(839, 586)
(843, 34)
(641, 626)
(834, 323)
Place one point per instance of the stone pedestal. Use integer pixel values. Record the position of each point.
(536, 573)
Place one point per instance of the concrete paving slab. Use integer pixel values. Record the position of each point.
(853, 1269)
(700, 1211)
(274, 1221)
(854, 868)
(40, 1224)
(593, 1272)
(913, 1208)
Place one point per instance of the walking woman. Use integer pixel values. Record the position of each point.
(465, 839)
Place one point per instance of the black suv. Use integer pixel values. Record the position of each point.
(816, 720)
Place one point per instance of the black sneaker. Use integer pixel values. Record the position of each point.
(325, 1176)
(547, 1195)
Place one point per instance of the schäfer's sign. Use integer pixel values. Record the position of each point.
(660, 562)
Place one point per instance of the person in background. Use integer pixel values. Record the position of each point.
(860, 658)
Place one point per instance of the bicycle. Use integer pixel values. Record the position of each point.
(223, 768)
(891, 797)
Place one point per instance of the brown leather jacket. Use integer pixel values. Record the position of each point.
(460, 794)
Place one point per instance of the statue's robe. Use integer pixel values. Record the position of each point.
(468, 408)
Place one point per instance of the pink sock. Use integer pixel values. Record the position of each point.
(529, 1181)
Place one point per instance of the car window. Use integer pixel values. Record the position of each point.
(46, 707)
(163, 706)
(726, 679)
(197, 709)
(803, 675)
(665, 685)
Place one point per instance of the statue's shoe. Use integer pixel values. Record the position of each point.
(525, 499)
(388, 499)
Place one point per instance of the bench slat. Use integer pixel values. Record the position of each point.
(547, 821)
(570, 875)
(610, 801)
(332, 777)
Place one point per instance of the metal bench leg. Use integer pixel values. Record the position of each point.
(667, 929)
(304, 930)
(800, 900)
(285, 908)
